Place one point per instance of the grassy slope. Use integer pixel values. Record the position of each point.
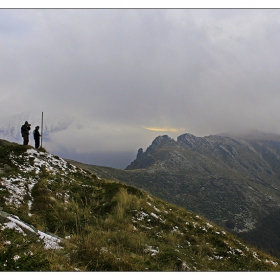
(105, 225)
(235, 184)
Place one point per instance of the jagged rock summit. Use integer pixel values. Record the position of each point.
(164, 147)
(233, 179)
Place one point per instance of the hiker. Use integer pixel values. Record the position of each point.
(37, 136)
(25, 132)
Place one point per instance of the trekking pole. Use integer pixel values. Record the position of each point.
(42, 132)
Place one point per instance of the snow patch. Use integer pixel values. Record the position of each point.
(51, 242)
(150, 249)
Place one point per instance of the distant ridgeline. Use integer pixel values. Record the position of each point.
(55, 216)
(232, 180)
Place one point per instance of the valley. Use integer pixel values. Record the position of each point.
(233, 182)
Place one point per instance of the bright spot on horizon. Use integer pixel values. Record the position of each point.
(164, 129)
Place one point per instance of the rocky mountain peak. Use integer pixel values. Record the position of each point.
(233, 181)
(162, 140)
(148, 158)
(188, 139)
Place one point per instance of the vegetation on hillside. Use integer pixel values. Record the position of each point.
(102, 225)
(233, 182)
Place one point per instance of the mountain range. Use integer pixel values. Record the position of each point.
(231, 179)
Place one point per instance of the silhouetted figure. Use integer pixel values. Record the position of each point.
(25, 132)
(37, 136)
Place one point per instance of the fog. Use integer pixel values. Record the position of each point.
(118, 78)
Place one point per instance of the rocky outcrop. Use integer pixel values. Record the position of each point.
(144, 160)
(233, 182)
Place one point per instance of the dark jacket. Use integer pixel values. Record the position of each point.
(25, 130)
(36, 134)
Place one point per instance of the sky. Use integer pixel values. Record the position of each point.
(111, 80)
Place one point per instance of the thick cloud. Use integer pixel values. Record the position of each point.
(125, 76)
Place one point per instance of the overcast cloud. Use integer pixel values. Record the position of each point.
(121, 77)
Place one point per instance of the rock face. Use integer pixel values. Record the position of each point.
(234, 182)
(148, 158)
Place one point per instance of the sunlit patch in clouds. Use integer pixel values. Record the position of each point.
(164, 129)
(209, 70)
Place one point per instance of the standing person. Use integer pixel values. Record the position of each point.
(25, 132)
(37, 136)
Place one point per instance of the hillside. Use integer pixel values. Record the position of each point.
(234, 182)
(58, 217)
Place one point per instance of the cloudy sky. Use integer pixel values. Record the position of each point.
(118, 78)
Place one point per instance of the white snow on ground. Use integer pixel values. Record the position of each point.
(16, 189)
(154, 215)
(150, 249)
(51, 163)
(20, 224)
(272, 262)
(12, 225)
(50, 242)
(140, 216)
(20, 185)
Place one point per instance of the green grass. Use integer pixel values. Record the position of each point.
(109, 226)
